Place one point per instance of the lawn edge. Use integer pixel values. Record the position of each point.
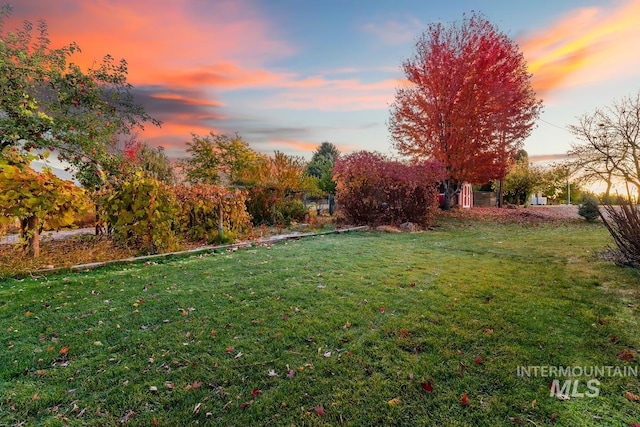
(201, 249)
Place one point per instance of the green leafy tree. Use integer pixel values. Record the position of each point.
(222, 159)
(521, 181)
(47, 101)
(556, 181)
(36, 198)
(321, 166)
(139, 156)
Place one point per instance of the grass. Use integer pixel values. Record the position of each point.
(342, 329)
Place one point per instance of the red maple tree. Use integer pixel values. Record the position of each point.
(468, 103)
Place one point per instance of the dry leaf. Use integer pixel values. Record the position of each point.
(394, 401)
(627, 355)
(427, 386)
(464, 400)
(632, 397)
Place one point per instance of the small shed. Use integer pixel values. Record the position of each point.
(465, 198)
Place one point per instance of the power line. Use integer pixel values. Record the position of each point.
(555, 126)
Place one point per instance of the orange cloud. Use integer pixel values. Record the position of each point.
(168, 36)
(584, 46)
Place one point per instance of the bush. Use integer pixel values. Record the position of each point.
(623, 223)
(288, 209)
(199, 212)
(589, 209)
(142, 212)
(373, 189)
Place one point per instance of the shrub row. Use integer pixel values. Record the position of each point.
(146, 214)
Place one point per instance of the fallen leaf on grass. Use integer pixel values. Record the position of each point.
(64, 350)
(394, 401)
(230, 349)
(196, 409)
(627, 355)
(256, 392)
(327, 354)
(272, 373)
(319, 410)
(245, 405)
(478, 360)
(404, 333)
(464, 400)
(428, 387)
(237, 356)
(193, 386)
(153, 389)
(383, 310)
(291, 374)
(632, 397)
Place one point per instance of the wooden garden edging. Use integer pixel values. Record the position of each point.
(207, 248)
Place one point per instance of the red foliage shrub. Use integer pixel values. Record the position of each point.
(374, 189)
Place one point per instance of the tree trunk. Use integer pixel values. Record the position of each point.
(448, 194)
(33, 236)
(500, 194)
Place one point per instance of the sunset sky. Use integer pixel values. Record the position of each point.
(289, 74)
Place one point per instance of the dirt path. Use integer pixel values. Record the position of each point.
(11, 239)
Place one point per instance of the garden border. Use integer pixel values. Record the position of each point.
(207, 248)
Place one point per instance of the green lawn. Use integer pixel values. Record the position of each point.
(364, 328)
